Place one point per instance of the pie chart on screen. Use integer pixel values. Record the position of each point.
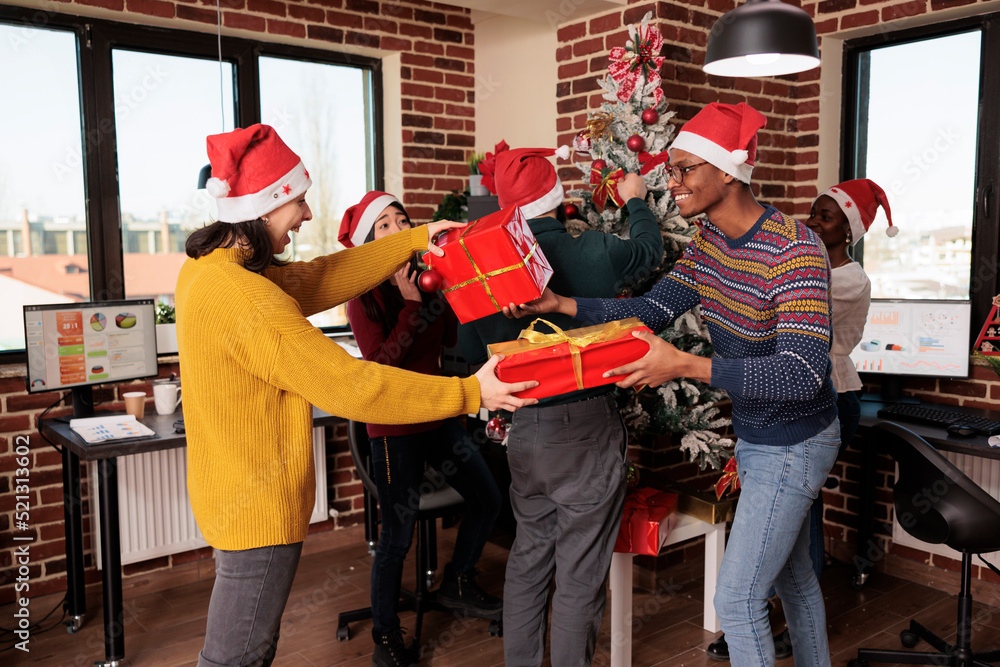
(98, 321)
(125, 320)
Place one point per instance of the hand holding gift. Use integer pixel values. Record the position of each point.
(435, 228)
(548, 302)
(663, 363)
(495, 394)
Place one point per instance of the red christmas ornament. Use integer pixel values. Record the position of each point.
(650, 116)
(496, 429)
(572, 210)
(598, 164)
(429, 281)
(582, 143)
(635, 143)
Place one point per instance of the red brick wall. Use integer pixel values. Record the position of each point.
(436, 43)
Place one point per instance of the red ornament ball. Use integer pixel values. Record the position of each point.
(598, 164)
(635, 143)
(429, 281)
(496, 429)
(650, 116)
(572, 210)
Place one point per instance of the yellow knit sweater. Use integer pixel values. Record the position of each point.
(252, 365)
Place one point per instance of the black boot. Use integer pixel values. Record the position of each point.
(461, 593)
(391, 651)
(719, 649)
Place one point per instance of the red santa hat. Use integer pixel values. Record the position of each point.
(360, 219)
(859, 200)
(524, 177)
(253, 173)
(724, 135)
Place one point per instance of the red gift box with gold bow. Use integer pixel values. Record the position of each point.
(565, 361)
(647, 520)
(490, 263)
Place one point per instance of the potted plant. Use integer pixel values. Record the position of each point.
(166, 328)
(476, 188)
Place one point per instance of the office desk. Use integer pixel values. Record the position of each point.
(868, 549)
(106, 455)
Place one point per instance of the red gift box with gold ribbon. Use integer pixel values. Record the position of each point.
(490, 263)
(565, 361)
(647, 520)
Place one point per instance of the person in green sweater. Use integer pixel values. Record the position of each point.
(253, 368)
(567, 454)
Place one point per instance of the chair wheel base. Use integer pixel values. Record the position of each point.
(496, 629)
(343, 633)
(908, 639)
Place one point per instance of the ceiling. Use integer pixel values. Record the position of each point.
(550, 12)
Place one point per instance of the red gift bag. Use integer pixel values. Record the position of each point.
(647, 519)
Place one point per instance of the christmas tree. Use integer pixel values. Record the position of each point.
(630, 133)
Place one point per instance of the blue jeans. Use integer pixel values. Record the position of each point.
(398, 468)
(849, 413)
(769, 545)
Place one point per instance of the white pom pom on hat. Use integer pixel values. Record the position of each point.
(217, 187)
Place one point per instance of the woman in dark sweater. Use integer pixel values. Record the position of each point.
(396, 325)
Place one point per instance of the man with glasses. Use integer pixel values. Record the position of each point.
(761, 279)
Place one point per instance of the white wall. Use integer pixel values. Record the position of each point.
(516, 78)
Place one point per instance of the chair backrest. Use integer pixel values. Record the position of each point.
(935, 501)
(361, 453)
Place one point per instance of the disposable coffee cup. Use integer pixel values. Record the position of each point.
(135, 403)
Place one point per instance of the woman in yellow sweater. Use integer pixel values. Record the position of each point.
(253, 367)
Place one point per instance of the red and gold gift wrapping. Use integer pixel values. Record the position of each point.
(647, 520)
(566, 361)
(490, 263)
(730, 480)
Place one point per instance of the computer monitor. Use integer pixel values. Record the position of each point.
(77, 345)
(911, 337)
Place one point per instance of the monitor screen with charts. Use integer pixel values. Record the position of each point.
(915, 338)
(73, 345)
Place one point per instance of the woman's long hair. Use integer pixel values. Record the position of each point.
(385, 310)
(251, 234)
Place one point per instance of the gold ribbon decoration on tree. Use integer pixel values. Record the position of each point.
(598, 125)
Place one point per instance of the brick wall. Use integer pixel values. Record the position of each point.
(435, 43)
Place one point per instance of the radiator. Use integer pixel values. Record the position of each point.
(154, 513)
(985, 473)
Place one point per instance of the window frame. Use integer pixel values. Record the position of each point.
(96, 39)
(983, 279)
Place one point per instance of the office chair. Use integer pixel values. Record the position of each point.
(441, 502)
(936, 503)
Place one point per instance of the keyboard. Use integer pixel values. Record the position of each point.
(919, 414)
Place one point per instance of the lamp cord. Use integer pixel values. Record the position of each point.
(218, 25)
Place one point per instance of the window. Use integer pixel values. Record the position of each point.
(41, 176)
(110, 138)
(914, 124)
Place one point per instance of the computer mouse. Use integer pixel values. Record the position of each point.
(960, 431)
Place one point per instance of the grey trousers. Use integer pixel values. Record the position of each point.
(567, 491)
(249, 596)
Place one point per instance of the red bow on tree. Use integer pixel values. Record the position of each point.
(488, 165)
(606, 187)
(730, 478)
(638, 60)
(650, 162)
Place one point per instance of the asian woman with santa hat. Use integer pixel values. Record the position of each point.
(397, 325)
(253, 368)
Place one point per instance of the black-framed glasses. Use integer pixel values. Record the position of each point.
(678, 172)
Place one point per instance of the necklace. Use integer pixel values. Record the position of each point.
(844, 263)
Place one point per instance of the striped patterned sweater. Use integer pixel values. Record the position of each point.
(764, 298)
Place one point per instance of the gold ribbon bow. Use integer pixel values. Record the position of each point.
(577, 339)
(480, 276)
(730, 480)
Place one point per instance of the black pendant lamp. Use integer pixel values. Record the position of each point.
(204, 175)
(762, 38)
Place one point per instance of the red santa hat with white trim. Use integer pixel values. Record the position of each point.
(253, 173)
(359, 220)
(859, 200)
(724, 135)
(524, 177)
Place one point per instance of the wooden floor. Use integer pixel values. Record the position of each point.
(165, 616)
